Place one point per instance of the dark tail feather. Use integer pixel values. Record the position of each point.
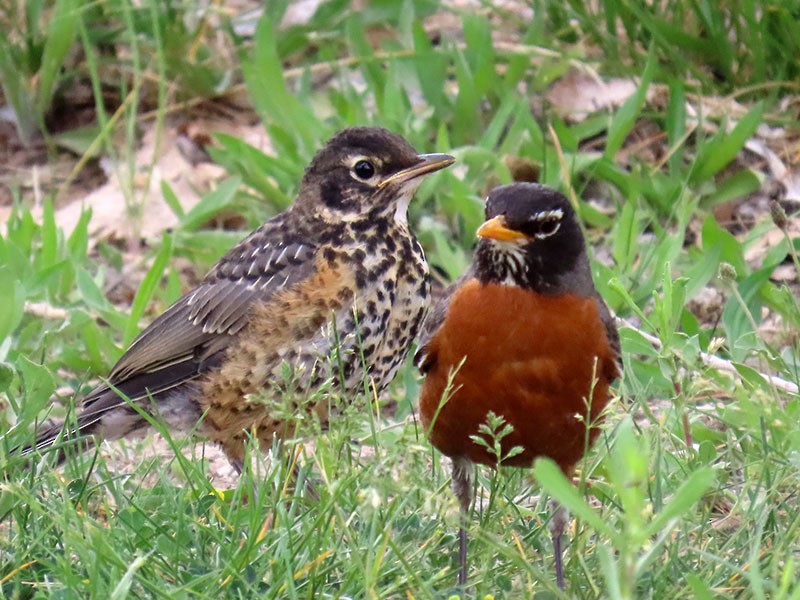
(63, 439)
(107, 413)
(81, 431)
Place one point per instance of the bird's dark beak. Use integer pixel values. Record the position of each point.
(497, 229)
(428, 164)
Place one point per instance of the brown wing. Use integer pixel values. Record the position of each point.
(192, 335)
(610, 326)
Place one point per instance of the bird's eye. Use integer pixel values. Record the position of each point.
(364, 169)
(548, 228)
(544, 228)
(546, 223)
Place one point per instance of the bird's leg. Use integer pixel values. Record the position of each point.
(462, 488)
(558, 525)
(237, 464)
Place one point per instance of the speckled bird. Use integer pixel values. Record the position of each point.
(331, 291)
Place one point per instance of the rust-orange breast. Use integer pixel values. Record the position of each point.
(542, 362)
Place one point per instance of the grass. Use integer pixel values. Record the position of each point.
(691, 490)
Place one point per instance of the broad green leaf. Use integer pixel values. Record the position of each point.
(49, 236)
(702, 270)
(13, 81)
(684, 498)
(6, 376)
(259, 170)
(740, 184)
(625, 236)
(701, 589)
(719, 151)
(480, 52)
(610, 569)
(211, 204)
(717, 239)
(628, 463)
(38, 386)
(78, 241)
(13, 303)
(781, 299)
(89, 291)
(431, 69)
(742, 312)
(616, 286)
(81, 140)
(467, 105)
(263, 76)
(361, 48)
(635, 343)
(498, 126)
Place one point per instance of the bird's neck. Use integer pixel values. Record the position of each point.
(508, 265)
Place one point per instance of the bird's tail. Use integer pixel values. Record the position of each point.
(61, 433)
(62, 439)
(103, 414)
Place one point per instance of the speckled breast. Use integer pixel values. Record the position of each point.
(355, 317)
(392, 294)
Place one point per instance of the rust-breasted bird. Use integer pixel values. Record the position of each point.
(525, 335)
(334, 288)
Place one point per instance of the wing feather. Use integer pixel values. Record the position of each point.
(188, 337)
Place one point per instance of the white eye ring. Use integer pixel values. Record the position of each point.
(549, 223)
(364, 169)
(554, 226)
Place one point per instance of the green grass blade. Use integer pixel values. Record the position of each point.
(683, 499)
(718, 152)
(211, 204)
(263, 76)
(15, 91)
(555, 483)
(147, 289)
(62, 31)
(12, 306)
(627, 115)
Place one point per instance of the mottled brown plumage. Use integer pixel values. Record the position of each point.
(522, 334)
(330, 291)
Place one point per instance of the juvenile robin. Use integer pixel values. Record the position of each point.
(334, 289)
(522, 334)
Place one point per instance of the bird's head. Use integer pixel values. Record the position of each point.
(532, 239)
(365, 172)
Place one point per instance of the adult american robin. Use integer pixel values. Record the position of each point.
(331, 292)
(522, 334)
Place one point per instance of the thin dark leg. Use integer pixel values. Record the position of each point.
(558, 525)
(237, 464)
(462, 488)
(462, 552)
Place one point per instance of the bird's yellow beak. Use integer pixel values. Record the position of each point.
(428, 164)
(497, 229)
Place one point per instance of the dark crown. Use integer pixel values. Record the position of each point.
(547, 254)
